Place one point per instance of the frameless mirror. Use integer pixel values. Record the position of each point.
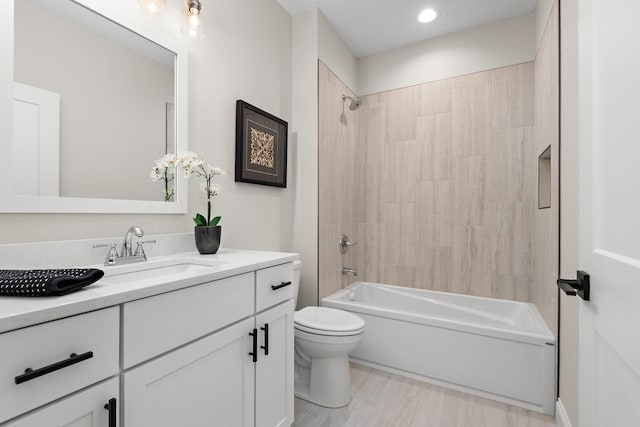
(95, 103)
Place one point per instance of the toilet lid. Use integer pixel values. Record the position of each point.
(328, 319)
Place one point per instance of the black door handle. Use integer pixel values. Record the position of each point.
(581, 286)
(281, 285)
(112, 408)
(265, 347)
(254, 353)
(30, 374)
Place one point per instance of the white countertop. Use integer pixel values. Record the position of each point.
(19, 312)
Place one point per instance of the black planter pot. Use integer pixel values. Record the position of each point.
(207, 238)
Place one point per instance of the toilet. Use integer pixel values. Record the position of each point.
(324, 337)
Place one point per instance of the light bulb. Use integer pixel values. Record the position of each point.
(428, 15)
(193, 20)
(154, 6)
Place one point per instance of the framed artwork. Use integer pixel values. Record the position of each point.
(261, 146)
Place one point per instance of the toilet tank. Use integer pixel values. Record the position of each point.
(297, 266)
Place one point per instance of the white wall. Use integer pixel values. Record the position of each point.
(246, 54)
(502, 43)
(304, 137)
(569, 235)
(336, 55)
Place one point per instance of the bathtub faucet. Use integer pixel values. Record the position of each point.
(349, 271)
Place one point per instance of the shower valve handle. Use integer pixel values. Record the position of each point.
(345, 244)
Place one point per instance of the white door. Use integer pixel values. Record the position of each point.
(609, 360)
(274, 371)
(85, 409)
(36, 141)
(207, 383)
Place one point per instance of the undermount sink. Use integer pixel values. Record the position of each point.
(159, 269)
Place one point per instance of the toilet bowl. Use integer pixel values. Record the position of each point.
(324, 337)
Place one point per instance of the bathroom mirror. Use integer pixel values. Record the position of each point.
(98, 94)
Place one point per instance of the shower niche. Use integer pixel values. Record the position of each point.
(544, 179)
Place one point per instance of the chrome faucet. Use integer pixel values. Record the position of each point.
(126, 255)
(349, 271)
(126, 250)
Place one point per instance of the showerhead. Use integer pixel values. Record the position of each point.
(355, 102)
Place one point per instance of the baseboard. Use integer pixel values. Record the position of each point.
(562, 419)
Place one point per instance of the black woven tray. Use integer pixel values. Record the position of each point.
(39, 283)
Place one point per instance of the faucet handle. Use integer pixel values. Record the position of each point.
(140, 248)
(112, 255)
(345, 244)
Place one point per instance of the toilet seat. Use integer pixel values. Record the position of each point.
(328, 321)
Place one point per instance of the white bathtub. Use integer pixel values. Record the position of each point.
(499, 349)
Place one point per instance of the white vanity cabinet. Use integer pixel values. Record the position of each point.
(89, 408)
(238, 376)
(207, 383)
(219, 353)
(45, 362)
(274, 371)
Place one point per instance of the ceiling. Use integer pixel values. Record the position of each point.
(372, 26)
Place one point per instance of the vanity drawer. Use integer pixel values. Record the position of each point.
(155, 325)
(47, 349)
(274, 285)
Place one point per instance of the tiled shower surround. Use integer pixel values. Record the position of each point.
(437, 183)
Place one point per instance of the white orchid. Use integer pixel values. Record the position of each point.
(164, 170)
(191, 163)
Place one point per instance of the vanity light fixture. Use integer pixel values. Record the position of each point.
(428, 15)
(193, 15)
(154, 6)
(192, 25)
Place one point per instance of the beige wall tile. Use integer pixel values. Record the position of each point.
(434, 97)
(516, 288)
(471, 120)
(513, 92)
(472, 261)
(400, 234)
(438, 199)
(400, 171)
(514, 251)
(433, 270)
(434, 214)
(434, 142)
(471, 79)
(470, 190)
(401, 114)
(515, 165)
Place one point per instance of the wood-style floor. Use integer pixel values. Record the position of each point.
(381, 399)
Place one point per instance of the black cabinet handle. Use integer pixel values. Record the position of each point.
(265, 347)
(112, 408)
(254, 353)
(30, 374)
(281, 285)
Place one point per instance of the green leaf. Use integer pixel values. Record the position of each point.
(200, 220)
(215, 221)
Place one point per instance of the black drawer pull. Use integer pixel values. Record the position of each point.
(30, 374)
(254, 353)
(265, 347)
(281, 285)
(111, 407)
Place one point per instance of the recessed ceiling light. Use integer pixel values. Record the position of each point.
(428, 15)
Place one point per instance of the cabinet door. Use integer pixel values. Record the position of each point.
(84, 409)
(209, 382)
(274, 371)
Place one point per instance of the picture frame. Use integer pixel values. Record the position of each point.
(261, 146)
